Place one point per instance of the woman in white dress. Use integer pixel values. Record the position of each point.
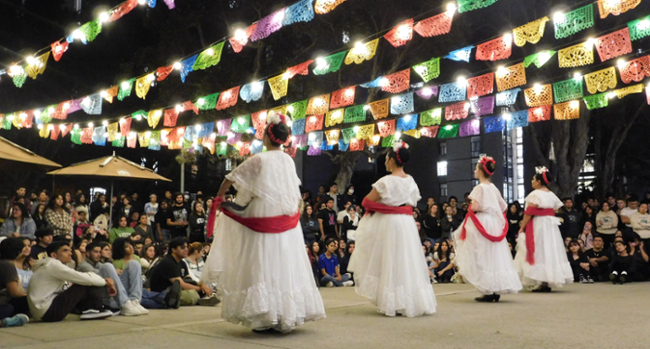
(541, 258)
(258, 257)
(388, 264)
(482, 253)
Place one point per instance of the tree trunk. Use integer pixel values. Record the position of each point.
(348, 161)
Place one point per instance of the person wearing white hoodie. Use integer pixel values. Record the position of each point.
(55, 289)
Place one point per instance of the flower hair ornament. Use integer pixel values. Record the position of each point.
(273, 119)
(542, 170)
(397, 145)
(484, 161)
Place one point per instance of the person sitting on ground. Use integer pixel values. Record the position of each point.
(314, 259)
(622, 265)
(143, 228)
(44, 237)
(128, 282)
(195, 262)
(350, 223)
(641, 258)
(39, 216)
(640, 222)
(17, 251)
(598, 260)
(587, 235)
(442, 259)
(167, 285)
(579, 263)
(122, 230)
(50, 296)
(19, 224)
(329, 267)
(13, 298)
(342, 255)
(310, 226)
(124, 254)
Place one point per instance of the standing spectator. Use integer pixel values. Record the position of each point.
(134, 219)
(122, 230)
(322, 195)
(329, 268)
(197, 223)
(632, 208)
(125, 209)
(99, 207)
(50, 298)
(128, 283)
(571, 217)
(162, 230)
(80, 204)
(349, 195)
(443, 264)
(42, 200)
(177, 218)
(430, 202)
(341, 214)
(587, 235)
(640, 222)
(143, 228)
(622, 265)
(338, 201)
(350, 224)
(449, 222)
(168, 198)
(310, 226)
(514, 216)
(20, 223)
(39, 216)
(579, 263)
(137, 205)
(327, 222)
(151, 208)
(431, 223)
(620, 205)
(58, 216)
(598, 260)
(606, 223)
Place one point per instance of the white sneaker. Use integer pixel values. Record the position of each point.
(348, 283)
(93, 314)
(143, 310)
(329, 284)
(129, 309)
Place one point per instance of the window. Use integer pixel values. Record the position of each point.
(443, 148)
(474, 162)
(521, 193)
(443, 190)
(476, 146)
(442, 168)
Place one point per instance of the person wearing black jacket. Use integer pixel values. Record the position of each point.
(514, 216)
(579, 263)
(449, 223)
(310, 227)
(571, 218)
(431, 224)
(197, 222)
(350, 223)
(622, 265)
(349, 195)
(99, 206)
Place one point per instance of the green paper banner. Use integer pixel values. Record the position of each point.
(428, 70)
(298, 110)
(119, 142)
(329, 64)
(639, 28)
(207, 102)
(125, 89)
(240, 124)
(348, 134)
(574, 22)
(471, 5)
(387, 142)
(431, 117)
(355, 114)
(449, 131)
(209, 58)
(567, 90)
(596, 101)
(539, 59)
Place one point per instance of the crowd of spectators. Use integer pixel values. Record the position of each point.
(62, 254)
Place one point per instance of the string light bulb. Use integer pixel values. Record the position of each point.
(349, 92)
(177, 66)
(209, 51)
(31, 60)
(451, 8)
(201, 101)
(125, 85)
(574, 104)
(321, 63)
(577, 76)
(240, 35)
(62, 127)
(103, 17)
(559, 17)
(507, 38)
(105, 123)
(621, 63)
(90, 124)
(40, 126)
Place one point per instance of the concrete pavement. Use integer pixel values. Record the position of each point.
(578, 316)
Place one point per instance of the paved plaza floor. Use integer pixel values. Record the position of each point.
(578, 316)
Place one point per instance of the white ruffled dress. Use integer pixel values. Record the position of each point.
(485, 264)
(388, 263)
(264, 280)
(551, 263)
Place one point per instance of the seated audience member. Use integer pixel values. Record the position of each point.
(314, 254)
(342, 255)
(431, 223)
(642, 268)
(166, 282)
(640, 222)
(627, 212)
(442, 260)
(195, 265)
(39, 216)
(122, 230)
(14, 309)
(579, 263)
(19, 224)
(124, 256)
(587, 236)
(134, 217)
(622, 265)
(44, 237)
(598, 260)
(17, 251)
(128, 283)
(350, 223)
(58, 216)
(310, 226)
(329, 267)
(50, 298)
(143, 228)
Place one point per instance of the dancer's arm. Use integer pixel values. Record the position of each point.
(527, 218)
(374, 195)
(225, 185)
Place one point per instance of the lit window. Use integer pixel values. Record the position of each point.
(442, 168)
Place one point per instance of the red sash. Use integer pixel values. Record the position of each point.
(530, 233)
(264, 225)
(372, 206)
(471, 215)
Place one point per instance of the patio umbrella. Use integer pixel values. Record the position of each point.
(15, 157)
(113, 167)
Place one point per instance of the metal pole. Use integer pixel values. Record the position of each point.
(110, 207)
(183, 178)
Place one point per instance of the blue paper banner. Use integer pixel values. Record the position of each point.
(298, 127)
(343, 146)
(299, 12)
(453, 92)
(252, 92)
(206, 130)
(494, 124)
(518, 119)
(407, 122)
(187, 66)
(508, 97)
(257, 146)
(315, 138)
(99, 136)
(373, 83)
(460, 55)
(401, 104)
(92, 104)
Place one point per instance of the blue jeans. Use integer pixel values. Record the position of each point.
(128, 284)
(328, 278)
(153, 300)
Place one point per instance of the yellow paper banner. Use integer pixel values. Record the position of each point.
(577, 55)
(366, 132)
(45, 131)
(362, 52)
(511, 77)
(37, 65)
(279, 86)
(142, 85)
(111, 129)
(623, 92)
(153, 117)
(567, 111)
(531, 32)
(415, 133)
(334, 117)
(539, 95)
(601, 80)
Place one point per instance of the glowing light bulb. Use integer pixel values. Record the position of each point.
(10, 117)
(609, 96)
(591, 42)
(398, 135)
(37, 113)
(179, 108)
(40, 126)
(643, 24)
(213, 136)
(158, 113)
(366, 107)
(461, 80)
(359, 46)
(289, 123)
(404, 32)
(77, 34)
(223, 144)
(575, 104)
(151, 78)
(105, 123)
(138, 117)
(384, 82)
(125, 85)
(104, 94)
(241, 120)
(201, 101)
(407, 118)
(349, 92)
(240, 35)
(321, 63)
(290, 109)
(538, 88)
(76, 126)
(23, 116)
(103, 17)
(356, 129)
(142, 2)
(263, 116)
(427, 92)
(16, 70)
(62, 127)
(559, 17)
(286, 76)
(177, 65)
(258, 86)
(293, 138)
(226, 95)
(451, 8)
(31, 60)
(314, 119)
(507, 116)
(507, 37)
(502, 71)
(239, 144)
(621, 63)
(180, 131)
(449, 127)
(381, 124)
(209, 51)
(132, 134)
(90, 124)
(544, 57)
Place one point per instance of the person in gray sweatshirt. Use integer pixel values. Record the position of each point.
(55, 289)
